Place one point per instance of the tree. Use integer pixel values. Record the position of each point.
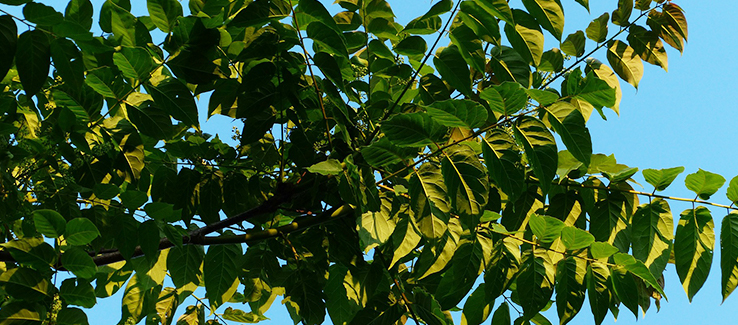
(368, 182)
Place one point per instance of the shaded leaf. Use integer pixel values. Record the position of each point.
(693, 245)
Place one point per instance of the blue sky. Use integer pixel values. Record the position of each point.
(680, 118)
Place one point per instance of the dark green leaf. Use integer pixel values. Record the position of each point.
(466, 265)
(383, 152)
(32, 59)
(504, 163)
(42, 14)
(413, 130)
(732, 192)
(693, 245)
(729, 254)
(502, 315)
(458, 113)
(648, 45)
(477, 307)
(174, 97)
(79, 262)
(8, 43)
(653, 232)
(597, 29)
(327, 38)
(184, 265)
(429, 201)
(482, 22)
(526, 37)
(220, 272)
(71, 316)
(570, 287)
(79, 12)
(470, 46)
(453, 68)
(467, 183)
(570, 125)
(105, 191)
(502, 268)
(21, 312)
(134, 62)
(498, 8)
(540, 148)
(549, 14)
(574, 44)
(535, 283)
(598, 290)
(621, 15)
(27, 284)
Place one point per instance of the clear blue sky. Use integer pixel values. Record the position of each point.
(680, 118)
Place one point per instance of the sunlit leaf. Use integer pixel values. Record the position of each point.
(693, 245)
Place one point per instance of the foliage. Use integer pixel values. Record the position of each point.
(369, 184)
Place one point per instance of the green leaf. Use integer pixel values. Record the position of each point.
(470, 46)
(429, 201)
(428, 308)
(174, 97)
(466, 181)
(638, 269)
(220, 272)
(502, 315)
(451, 65)
(458, 113)
(32, 251)
(648, 45)
(466, 265)
(503, 161)
(81, 231)
(600, 250)
(413, 130)
(27, 284)
(502, 268)
(513, 97)
(150, 120)
(526, 37)
(575, 238)
(327, 38)
(164, 13)
(732, 192)
(625, 62)
(597, 29)
(675, 16)
(477, 307)
(68, 64)
(569, 123)
(597, 92)
(79, 12)
(509, 65)
(549, 14)
(71, 316)
(79, 262)
(184, 265)
(574, 44)
(134, 62)
(21, 313)
(693, 245)
(704, 183)
(653, 232)
(42, 14)
(729, 254)
(405, 239)
(666, 28)
(546, 228)
(241, 316)
(626, 288)
(482, 22)
(498, 8)
(105, 191)
(570, 287)
(598, 290)
(375, 228)
(412, 46)
(621, 15)
(604, 72)
(540, 148)
(383, 152)
(662, 178)
(49, 223)
(535, 283)
(328, 167)
(32, 59)
(8, 44)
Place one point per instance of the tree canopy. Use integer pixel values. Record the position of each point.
(379, 177)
